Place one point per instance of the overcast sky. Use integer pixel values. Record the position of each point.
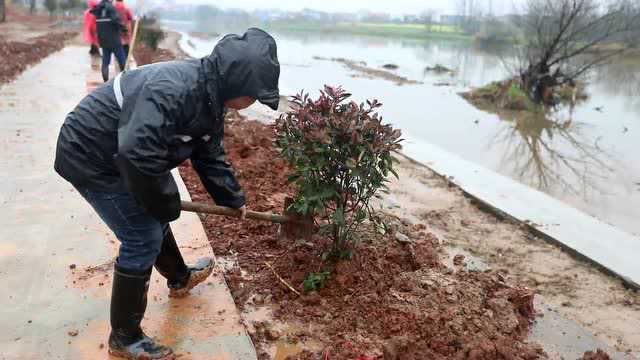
(396, 7)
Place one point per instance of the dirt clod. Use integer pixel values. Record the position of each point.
(597, 355)
(458, 259)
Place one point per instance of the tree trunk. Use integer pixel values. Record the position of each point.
(32, 6)
(3, 11)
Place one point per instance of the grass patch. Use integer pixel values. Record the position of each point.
(506, 95)
(509, 95)
(413, 31)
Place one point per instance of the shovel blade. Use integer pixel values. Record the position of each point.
(300, 226)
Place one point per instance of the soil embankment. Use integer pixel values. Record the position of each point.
(17, 55)
(26, 39)
(363, 71)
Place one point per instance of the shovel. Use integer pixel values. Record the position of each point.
(293, 225)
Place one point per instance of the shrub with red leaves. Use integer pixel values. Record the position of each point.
(341, 153)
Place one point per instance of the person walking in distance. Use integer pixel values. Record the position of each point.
(89, 29)
(110, 28)
(126, 16)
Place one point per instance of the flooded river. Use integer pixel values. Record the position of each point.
(586, 156)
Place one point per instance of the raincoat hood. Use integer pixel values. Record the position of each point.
(244, 65)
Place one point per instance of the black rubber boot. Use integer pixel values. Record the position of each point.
(180, 277)
(128, 304)
(105, 73)
(94, 51)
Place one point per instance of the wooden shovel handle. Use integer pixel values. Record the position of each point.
(221, 210)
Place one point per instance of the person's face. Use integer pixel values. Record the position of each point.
(239, 103)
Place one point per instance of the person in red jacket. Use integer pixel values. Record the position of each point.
(126, 16)
(89, 28)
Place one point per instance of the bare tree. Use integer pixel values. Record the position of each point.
(560, 34)
(32, 6)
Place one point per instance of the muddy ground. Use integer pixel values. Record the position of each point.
(362, 70)
(25, 40)
(576, 289)
(355, 316)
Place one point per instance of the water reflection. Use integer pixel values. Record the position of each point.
(553, 154)
(622, 78)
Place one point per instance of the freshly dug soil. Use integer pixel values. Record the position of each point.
(391, 300)
(145, 55)
(16, 57)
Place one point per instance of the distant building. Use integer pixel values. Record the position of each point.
(452, 19)
(314, 15)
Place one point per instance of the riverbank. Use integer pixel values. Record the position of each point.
(410, 31)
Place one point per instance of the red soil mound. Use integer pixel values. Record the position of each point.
(391, 300)
(15, 57)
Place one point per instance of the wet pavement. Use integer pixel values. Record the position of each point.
(56, 256)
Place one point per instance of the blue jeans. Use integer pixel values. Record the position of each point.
(140, 235)
(106, 59)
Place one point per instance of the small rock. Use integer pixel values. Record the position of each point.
(402, 238)
(101, 346)
(458, 259)
(73, 332)
(258, 299)
(72, 266)
(272, 335)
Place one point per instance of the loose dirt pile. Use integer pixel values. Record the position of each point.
(392, 300)
(145, 55)
(15, 56)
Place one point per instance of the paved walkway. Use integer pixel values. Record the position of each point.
(56, 256)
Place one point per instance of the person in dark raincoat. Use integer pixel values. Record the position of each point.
(117, 148)
(110, 29)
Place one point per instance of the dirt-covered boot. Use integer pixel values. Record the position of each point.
(128, 305)
(180, 277)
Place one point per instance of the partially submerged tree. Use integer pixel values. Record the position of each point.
(560, 37)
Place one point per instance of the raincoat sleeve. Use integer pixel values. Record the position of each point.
(216, 173)
(143, 157)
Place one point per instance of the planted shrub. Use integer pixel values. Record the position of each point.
(341, 156)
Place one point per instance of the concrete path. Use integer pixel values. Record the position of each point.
(612, 249)
(56, 256)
